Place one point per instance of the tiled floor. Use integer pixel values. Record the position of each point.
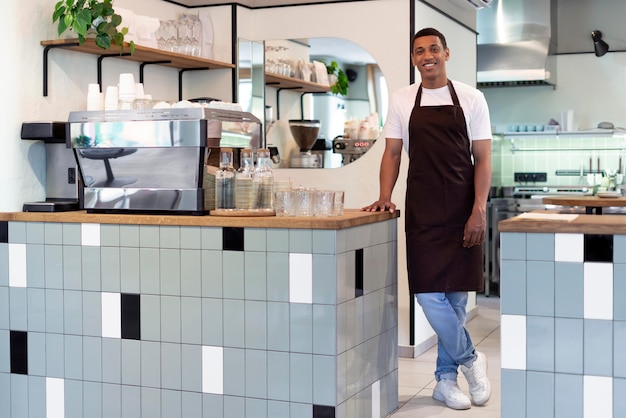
(417, 381)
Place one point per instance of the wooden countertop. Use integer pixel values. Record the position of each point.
(542, 221)
(350, 218)
(587, 201)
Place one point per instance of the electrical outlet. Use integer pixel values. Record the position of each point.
(530, 177)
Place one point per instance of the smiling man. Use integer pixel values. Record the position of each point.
(445, 128)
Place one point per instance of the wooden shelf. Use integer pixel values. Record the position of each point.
(282, 82)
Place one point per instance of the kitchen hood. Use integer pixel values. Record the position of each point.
(516, 39)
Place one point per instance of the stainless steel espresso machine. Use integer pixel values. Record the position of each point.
(351, 149)
(154, 161)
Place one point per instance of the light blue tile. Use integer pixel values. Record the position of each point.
(91, 268)
(35, 268)
(191, 320)
(513, 392)
(278, 376)
(171, 360)
(512, 246)
(110, 235)
(324, 241)
(72, 267)
(234, 407)
(598, 347)
(234, 323)
(540, 343)
(513, 287)
(36, 309)
(4, 308)
(111, 400)
(619, 290)
(212, 405)
(256, 374)
(190, 237)
(5, 395)
(278, 326)
(277, 240)
(233, 274)
(170, 271)
(36, 354)
(568, 345)
(324, 279)
(301, 327)
(540, 247)
(53, 233)
(191, 273)
(359, 237)
(301, 241)
(324, 329)
(129, 270)
(150, 317)
(278, 277)
(257, 408)
(92, 313)
(372, 314)
(36, 397)
(191, 404)
(54, 311)
(149, 236)
(92, 359)
(55, 358)
(303, 410)
(256, 324)
(17, 232)
(110, 263)
(569, 289)
(171, 403)
(170, 319)
(92, 399)
(19, 395)
(212, 274)
(191, 370)
(149, 271)
(375, 264)
(131, 362)
(540, 288)
(35, 233)
(619, 349)
(72, 234)
(111, 360)
(150, 402)
(211, 238)
(301, 378)
(73, 350)
(73, 312)
(54, 266)
(539, 394)
(324, 382)
(169, 236)
(129, 235)
(278, 409)
(619, 249)
(255, 282)
(151, 364)
(131, 401)
(234, 372)
(212, 320)
(255, 239)
(568, 396)
(4, 264)
(73, 390)
(619, 401)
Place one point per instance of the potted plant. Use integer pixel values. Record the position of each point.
(87, 16)
(338, 79)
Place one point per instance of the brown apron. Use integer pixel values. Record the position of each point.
(439, 200)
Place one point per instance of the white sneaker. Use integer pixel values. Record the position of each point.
(479, 386)
(448, 391)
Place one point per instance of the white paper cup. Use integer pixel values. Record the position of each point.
(111, 98)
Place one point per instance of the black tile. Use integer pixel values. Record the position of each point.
(4, 231)
(599, 248)
(131, 312)
(232, 239)
(323, 411)
(358, 276)
(19, 352)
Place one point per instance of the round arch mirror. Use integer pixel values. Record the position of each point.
(349, 123)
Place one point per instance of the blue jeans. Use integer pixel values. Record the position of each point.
(446, 314)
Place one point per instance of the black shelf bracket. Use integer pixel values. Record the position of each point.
(278, 98)
(102, 57)
(180, 79)
(302, 100)
(46, 50)
(143, 64)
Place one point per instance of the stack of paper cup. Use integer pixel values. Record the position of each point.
(127, 91)
(94, 98)
(111, 98)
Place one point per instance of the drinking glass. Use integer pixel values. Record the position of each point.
(338, 197)
(323, 203)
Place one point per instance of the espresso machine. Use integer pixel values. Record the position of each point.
(62, 184)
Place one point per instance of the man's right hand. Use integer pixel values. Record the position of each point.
(380, 206)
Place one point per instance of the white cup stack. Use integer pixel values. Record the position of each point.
(111, 98)
(127, 91)
(94, 98)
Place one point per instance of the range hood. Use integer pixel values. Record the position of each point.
(515, 41)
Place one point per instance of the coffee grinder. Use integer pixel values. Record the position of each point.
(304, 132)
(61, 173)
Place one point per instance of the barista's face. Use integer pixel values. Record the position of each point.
(429, 56)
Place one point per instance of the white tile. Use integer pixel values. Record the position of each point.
(598, 293)
(597, 397)
(300, 278)
(569, 247)
(90, 235)
(213, 370)
(17, 265)
(111, 315)
(513, 342)
(55, 398)
(376, 399)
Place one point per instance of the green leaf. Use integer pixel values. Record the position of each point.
(80, 28)
(84, 17)
(103, 41)
(68, 20)
(116, 20)
(62, 27)
(59, 9)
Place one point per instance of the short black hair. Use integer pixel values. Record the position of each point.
(429, 32)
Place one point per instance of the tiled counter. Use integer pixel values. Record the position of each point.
(563, 322)
(110, 316)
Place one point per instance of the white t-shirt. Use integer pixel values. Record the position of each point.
(471, 100)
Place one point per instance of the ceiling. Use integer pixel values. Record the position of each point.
(255, 3)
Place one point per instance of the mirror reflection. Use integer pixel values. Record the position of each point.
(325, 101)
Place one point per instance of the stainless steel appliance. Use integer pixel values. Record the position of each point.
(351, 149)
(154, 160)
(61, 174)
